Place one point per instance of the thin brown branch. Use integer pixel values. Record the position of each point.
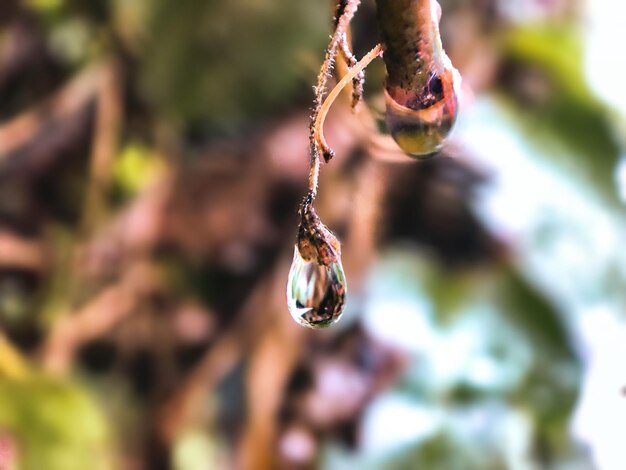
(101, 314)
(264, 331)
(218, 360)
(184, 405)
(17, 252)
(108, 123)
(345, 11)
(68, 101)
(332, 96)
(359, 79)
(271, 364)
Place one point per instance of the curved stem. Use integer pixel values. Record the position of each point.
(332, 96)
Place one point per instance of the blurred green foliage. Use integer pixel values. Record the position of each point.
(135, 168)
(223, 67)
(569, 121)
(56, 425)
(224, 64)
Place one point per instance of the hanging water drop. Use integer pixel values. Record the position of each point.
(315, 292)
(421, 132)
(421, 90)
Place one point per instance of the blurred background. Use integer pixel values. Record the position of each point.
(152, 158)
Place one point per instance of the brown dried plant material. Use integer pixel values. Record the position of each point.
(315, 241)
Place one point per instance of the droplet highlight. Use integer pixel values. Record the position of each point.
(421, 132)
(315, 293)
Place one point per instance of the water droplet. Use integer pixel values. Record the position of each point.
(422, 132)
(315, 293)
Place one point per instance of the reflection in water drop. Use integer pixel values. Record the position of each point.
(315, 293)
(421, 132)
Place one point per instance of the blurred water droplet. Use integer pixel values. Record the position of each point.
(421, 131)
(315, 293)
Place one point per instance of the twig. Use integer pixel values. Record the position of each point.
(102, 313)
(184, 405)
(345, 11)
(222, 357)
(108, 123)
(359, 79)
(352, 73)
(271, 364)
(71, 99)
(21, 253)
